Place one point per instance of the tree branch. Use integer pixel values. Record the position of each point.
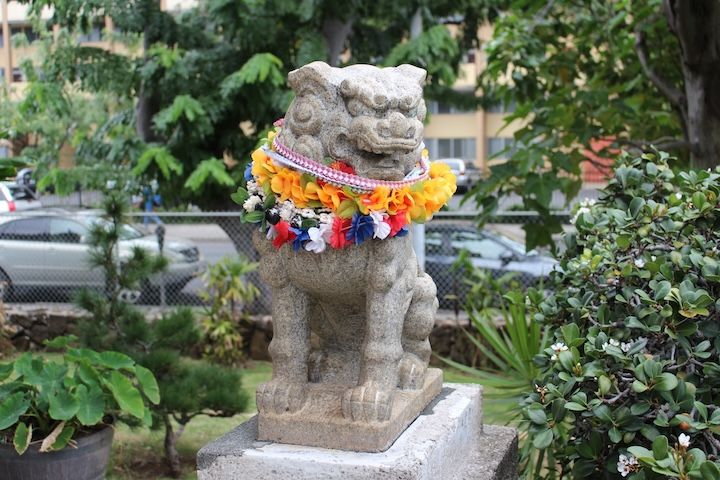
(662, 143)
(675, 96)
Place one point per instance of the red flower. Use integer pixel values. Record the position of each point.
(338, 234)
(283, 234)
(396, 222)
(342, 166)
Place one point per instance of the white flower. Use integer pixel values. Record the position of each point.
(308, 213)
(287, 211)
(653, 257)
(611, 342)
(380, 227)
(271, 233)
(684, 440)
(627, 465)
(625, 347)
(326, 218)
(318, 238)
(557, 348)
(639, 262)
(678, 195)
(251, 202)
(253, 187)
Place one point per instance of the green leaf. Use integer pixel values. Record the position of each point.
(63, 439)
(575, 407)
(126, 395)
(240, 196)
(166, 163)
(210, 170)
(660, 447)
(347, 208)
(641, 453)
(5, 370)
(615, 435)
(537, 416)
(63, 405)
(148, 384)
(91, 405)
(543, 439)
(60, 342)
(11, 408)
(116, 360)
(665, 382)
(254, 217)
(709, 471)
(22, 437)
(260, 68)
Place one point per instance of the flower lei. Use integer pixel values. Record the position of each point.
(311, 213)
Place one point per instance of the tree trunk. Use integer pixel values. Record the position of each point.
(336, 32)
(696, 24)
(171, 454)
(144, 109)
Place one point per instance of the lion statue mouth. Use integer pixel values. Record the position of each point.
(371, 118)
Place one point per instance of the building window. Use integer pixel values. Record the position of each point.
(18, 75)
(30, 34)
(463, 148)
(434, 107)
(500, 147)
(2, 74)
(501, 107)
(2, 38)
(469, 56)
(94, 35)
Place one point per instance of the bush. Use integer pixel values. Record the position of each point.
(226, 322)
(630, 384)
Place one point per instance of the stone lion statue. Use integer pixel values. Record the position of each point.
(355, 319)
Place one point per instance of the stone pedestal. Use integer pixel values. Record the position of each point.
(446, 442)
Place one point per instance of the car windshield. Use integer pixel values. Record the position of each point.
(453, 164)
(127, 232)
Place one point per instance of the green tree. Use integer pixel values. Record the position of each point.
(188, 387)
(193, 100)
(631, 73)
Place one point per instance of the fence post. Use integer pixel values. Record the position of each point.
(418, 241)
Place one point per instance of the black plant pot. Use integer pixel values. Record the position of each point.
(86, 462)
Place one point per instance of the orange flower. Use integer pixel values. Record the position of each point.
(399, 201)
(329, 195)
(375, 202)
(286, 184)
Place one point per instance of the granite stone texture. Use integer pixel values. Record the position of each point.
(352, 323)
(446, 442)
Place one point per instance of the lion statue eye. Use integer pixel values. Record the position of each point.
(358, 108)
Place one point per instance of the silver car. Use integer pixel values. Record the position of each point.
(43, 250)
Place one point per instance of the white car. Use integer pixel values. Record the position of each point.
(38, 249)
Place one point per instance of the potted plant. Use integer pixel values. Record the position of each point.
(56, 416)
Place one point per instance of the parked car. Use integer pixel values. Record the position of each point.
(24, 197)
(40, 249)
(487, 250)
(7, 202)
(24, 177)
(465, 174)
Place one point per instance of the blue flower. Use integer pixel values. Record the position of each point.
(402, 232)
(300, 237)
(361, 228)
(248, 172)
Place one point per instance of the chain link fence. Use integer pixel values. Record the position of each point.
(44, 257)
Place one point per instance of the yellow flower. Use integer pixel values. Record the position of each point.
(374, 202)
(262, 167)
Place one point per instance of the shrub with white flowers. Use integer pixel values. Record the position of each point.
(631, 384)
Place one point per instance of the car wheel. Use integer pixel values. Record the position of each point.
(5, 287)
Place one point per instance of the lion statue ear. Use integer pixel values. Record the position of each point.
(314, 76)
(413, 72)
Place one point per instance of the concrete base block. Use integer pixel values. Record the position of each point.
(446, 442)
